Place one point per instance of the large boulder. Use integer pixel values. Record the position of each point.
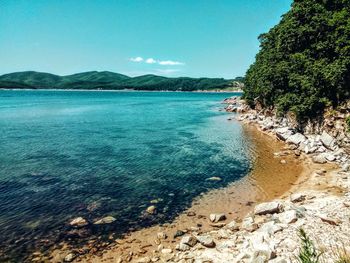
(296, 138)
(284, 133)
(327, 140)
(268, 208)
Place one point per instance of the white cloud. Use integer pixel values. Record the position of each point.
(159, 62)
(137, 59)
(150, 61)
(170, 63)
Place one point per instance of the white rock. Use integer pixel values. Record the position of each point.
(297, 197)
(296, 138)
(166, 250)
(327, 140)
(143, 260)
(182, 247)
(248, 224)
(268, 208)
(189, 240)
(217, 217)
(206, 241)
(319, 159)
(263, 251)
(270, 228)
(232, 226)
(283, 133)
(223, 233)
(278, 260)
(288, 217)
(330, 157)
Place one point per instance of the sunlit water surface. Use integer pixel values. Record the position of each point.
(65, 154)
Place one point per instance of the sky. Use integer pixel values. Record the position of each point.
(195, 38)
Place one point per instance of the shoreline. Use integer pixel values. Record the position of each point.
(236, 200)
(240, 235)
(129, 90)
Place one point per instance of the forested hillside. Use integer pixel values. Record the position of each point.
(112, 81)
(304, 61)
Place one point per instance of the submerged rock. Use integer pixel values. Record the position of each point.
(105, 220)
(214, 178)
(151, 210)
(79, 222)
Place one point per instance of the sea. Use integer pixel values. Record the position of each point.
(91, 154)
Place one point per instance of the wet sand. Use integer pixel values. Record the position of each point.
(270, 178)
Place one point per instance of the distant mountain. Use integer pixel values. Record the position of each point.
(112, 81)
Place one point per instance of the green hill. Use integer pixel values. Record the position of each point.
(303, 65)
(110, 81)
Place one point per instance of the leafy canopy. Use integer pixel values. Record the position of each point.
(304, 61)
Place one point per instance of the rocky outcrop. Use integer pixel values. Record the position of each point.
(275, 238)
(330, 144)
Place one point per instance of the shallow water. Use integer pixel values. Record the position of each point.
(65, 154)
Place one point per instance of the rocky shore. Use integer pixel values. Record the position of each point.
(319, 204)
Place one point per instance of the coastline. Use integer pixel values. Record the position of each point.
(302, 193)
(236, 201)
(129, 90)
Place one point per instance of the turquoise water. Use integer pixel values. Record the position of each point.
(65, 154)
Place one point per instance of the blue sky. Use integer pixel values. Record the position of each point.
(201, 38)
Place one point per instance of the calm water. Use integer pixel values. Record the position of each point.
(65, 154)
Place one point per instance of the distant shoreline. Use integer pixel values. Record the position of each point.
(129, 90)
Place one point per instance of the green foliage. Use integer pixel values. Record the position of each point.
(347, 120)
(110, 80)
(308, 253)
(304, 61)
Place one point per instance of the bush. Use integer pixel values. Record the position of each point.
(308, 252)
(303, 65)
